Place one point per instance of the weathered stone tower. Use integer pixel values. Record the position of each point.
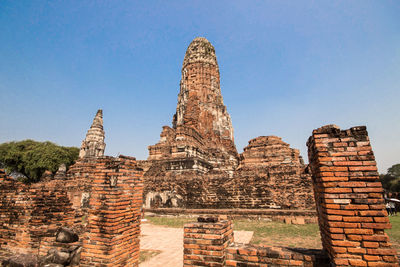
(202, 134)
(93, 145)
(200, 103)
(196, 165)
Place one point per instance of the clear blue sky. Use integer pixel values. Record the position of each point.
(287, 67)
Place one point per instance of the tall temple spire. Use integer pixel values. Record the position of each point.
(93, 145)
(200, 104)
(201, 137)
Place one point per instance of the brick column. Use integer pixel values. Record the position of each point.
(348, 196)
(205, 242)
(113, 230)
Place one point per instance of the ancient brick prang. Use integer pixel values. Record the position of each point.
(93, 145)
(196, 165)
(202, 128)
(348, 196)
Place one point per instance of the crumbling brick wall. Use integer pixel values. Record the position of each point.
(270, 175)
(285, 187)
(100, 197)
(209, 242)
(205, 242)
(112, 237)
(348, 196)
(263, 255)
(31, 213)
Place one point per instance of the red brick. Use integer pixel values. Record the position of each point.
(390, 258)
(368, 190)
(359, 231)
(345, 243)
(340, 212)
(363, 168)
(376, 225)
(340, 262)
(337, 190)
(371, 257)
(368, 244)
(356, 207)
(376, 237)
(357, 250)
(381, 251)
(352, 184)
(339, 249)
(354, 237)
(354, 262)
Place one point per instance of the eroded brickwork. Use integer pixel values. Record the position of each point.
(211, 244)
(112, 236)
(196, 165)
(348, 196)
(266, 151)
(201, 137)
(98, 198)
(30, 214)
(255, 188)
(263, 255)
(205, 242)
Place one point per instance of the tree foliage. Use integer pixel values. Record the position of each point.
(33, 158)
(391, 180)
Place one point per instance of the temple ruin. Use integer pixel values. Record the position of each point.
(89, 215)
(201, 137)
(196, 165)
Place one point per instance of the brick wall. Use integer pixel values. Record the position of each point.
(211, 244)
(287, 187)
(205, 242)
(112, 237)
(99, 198)
(250, 255)
(348, 196)
(29, 214)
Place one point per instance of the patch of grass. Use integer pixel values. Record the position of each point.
(146, 254)
(394, 233)
(174, 222)
(281, 234)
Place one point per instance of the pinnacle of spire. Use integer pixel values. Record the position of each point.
(200, 50)
(93, 145)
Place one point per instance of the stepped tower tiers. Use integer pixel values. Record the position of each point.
(269, 151)
(93, 145)
(201, 136)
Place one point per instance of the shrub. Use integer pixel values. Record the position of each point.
(33, 158)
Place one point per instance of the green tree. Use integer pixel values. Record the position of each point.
(391, 180)
(33, 158)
